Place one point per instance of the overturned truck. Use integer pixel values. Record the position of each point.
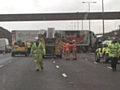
(85, 39)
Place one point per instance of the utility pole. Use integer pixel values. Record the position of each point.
(103, 19)
(89, 3)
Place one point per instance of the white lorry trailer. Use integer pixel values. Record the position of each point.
(24, 35)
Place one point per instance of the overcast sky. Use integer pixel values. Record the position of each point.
(58, 6)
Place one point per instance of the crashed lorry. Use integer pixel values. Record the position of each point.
(85, 39)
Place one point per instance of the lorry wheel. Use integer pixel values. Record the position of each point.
(26, 54)
(59, 56)
(84, 50)
(97, 60)
(12, 54)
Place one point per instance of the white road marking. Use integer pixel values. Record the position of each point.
(53, 61)
(57, 66)
(1, 66)
(109, 67)
(64, 75)
(95, 63)
(86, 59)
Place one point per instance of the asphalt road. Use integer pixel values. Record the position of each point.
(18, 73)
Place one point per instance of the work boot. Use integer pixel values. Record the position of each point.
(41, 67)
(37, 69)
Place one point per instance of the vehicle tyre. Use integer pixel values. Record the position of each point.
(84, 50)
(12, 54)
(26, 54)
(60, 56)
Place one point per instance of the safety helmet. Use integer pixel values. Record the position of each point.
(73, 41)
(36, 38)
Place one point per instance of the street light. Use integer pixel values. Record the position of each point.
(89, 10)
(103, 18)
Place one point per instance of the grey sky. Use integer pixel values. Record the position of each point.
(56, 6)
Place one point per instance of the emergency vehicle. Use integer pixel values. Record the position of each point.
(53, 43)
(103, 53)
(85, 39)
(18, 48)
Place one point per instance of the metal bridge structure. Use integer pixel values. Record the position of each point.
(60, 16)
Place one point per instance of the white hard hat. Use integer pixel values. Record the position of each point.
(36, 38)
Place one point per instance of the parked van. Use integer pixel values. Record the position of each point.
(4, 45)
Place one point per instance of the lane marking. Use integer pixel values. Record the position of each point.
(64, 75)
(57, 66)
(1, 66)
(86, 59)
(109, 67)
(95, 63)
(53, 61)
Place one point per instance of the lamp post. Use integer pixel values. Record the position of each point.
(89, 3)
(103, 19)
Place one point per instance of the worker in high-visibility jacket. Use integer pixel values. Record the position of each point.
(38, 49)
(74, 50)
(28, 44)
(114, 49)
(67, 50)
(100, 53)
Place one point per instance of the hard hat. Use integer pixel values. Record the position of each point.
(73, 41)
(36, 38)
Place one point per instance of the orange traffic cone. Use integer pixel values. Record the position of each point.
(3, 52)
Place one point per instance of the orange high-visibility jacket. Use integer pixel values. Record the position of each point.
(74, 46)
(67, 47)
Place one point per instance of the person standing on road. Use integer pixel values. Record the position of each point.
(114, 50)
(67, 50)
(28, 44)
(74, 50)
(38, 49)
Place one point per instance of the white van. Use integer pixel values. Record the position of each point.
(4, 44)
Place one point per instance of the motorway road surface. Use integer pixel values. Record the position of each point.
(18, 73)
